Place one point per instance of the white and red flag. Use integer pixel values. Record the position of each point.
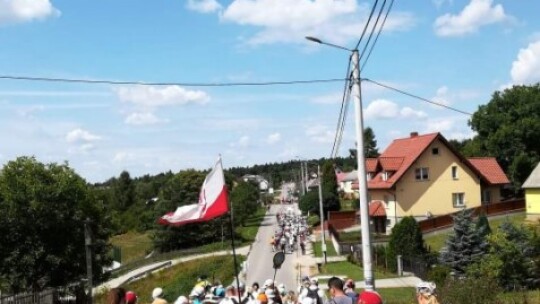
(212, 202)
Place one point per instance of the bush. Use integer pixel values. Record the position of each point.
(438, 274)
(469, 290)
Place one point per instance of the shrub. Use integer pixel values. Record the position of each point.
(469, 290)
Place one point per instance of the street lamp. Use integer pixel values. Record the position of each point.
(361, 162)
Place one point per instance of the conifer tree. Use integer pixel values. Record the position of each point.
(465, 246)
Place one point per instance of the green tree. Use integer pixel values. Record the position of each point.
(329, 188)
(406, 240)
(244, 198)
(43, 208)
(465, 246)
(124, 191)
(309, 202)
(482, 225)
(508, 127)
(370, 144)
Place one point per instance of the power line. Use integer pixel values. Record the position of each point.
(372, 30)
(416, 96)
(184, 84)
(378, 34)
(367, 23)
(341, 111)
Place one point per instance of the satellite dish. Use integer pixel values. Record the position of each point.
(279, 258)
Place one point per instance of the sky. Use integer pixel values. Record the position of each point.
(454, 52)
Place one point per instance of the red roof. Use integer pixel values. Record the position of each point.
(376, 208)
(408, 150)
(391, 163)
(340, 176)
(489, 169)
(371, 164)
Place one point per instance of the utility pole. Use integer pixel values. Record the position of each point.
(88, 245)
(362, 183)
(321, 212)
(306, 180)
(302, 184)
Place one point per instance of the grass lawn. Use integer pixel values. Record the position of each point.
(436, 241)
(352, 271)
(330, 250)
(180, 279)
(133, 245)
(249, 231)
(400, 295)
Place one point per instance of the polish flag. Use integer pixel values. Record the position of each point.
(212, 202)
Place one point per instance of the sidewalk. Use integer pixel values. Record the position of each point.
(136, 272)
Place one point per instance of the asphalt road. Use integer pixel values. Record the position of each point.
(260, 259)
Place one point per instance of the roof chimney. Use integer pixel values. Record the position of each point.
(414, 134)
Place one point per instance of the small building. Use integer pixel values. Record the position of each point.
(532, 194)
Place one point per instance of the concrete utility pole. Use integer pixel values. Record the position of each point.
(362, 182)
(323, 237)
(88, 245)
(306, 180)
(361, 160)
(302, 184)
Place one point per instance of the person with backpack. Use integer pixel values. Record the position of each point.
(349, 290)
(313, 292)
(338, 296)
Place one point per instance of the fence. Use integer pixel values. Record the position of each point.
(445, 221)
(61, 295)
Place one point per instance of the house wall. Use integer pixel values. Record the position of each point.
(495, 193)
(388, 197)
(434, 195)
(532, 201)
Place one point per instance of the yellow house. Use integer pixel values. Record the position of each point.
(532, 194)
(423, 176)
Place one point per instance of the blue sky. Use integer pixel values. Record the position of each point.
(457, 52)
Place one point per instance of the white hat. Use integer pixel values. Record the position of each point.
(157, 292)
(307, 300)
(181, 300)
(197, 291)
(268, 282)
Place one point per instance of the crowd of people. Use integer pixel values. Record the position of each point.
(291, 232)
(338, 292)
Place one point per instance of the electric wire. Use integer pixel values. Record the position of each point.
(378, 34)
(345, 113)
(184, 84)
(367, 23)
(416, 96)
(372, 31)
(341, 116)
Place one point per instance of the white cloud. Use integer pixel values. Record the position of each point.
(526, 68)
(151, 96)
(203, 6)
(18, 11)
(476, 14)
(407, 112)
(442, 97)
(242, 142)
(320, 134)
(381, 109)
(139, 118)
(440, 125)
(290, 21)
(81, 136)
(123, 156)
(273, 138)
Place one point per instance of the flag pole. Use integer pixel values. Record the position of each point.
(231, 226)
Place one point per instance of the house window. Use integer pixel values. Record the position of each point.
(386, 175)
(421, 174)
(486, 197)
(454, 172)
(458, 199)
(369, 176)
(435, 151)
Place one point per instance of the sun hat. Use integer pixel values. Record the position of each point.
(181, 300)
(131, 297)
(426, 287)
(369, 297)
(157, 292)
